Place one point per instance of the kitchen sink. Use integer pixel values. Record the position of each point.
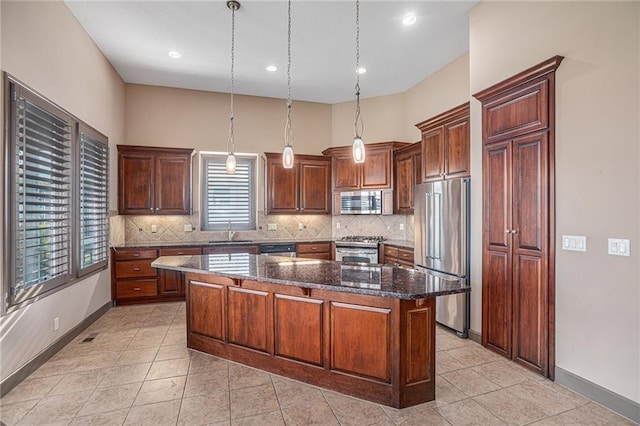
(224, 242)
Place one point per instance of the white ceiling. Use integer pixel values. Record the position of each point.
(136, 36)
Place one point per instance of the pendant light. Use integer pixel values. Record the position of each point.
(230, 164)
(358, 149)
(287, 153)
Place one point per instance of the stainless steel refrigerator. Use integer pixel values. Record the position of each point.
(441, 224)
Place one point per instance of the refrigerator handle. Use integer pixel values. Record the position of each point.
(437, 225)
(428, 230)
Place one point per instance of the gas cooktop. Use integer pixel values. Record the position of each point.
(360, 240)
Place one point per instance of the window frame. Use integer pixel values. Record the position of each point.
(204, 156)
(13, 90)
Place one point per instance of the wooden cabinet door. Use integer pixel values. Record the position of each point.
(315, 187)
(346, 173)
(433, 155)
(376, 170)
(282, 194)
(496, 256)
(172, 282)
(403, 181)
(457, 144)
(136, 174)
(173, 185)
(530, 251)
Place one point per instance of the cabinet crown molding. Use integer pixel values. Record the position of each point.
(536, 71)
(438, 120)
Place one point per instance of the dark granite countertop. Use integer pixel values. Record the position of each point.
(399, 243)
(375, 280)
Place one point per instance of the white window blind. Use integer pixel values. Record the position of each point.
(42, 197)
(228, 200)
(94, 201)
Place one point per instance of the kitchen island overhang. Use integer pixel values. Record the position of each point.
(363, 330)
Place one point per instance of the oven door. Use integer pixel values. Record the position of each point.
(357, 254)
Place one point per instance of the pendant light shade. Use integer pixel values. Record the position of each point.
(358, 149)
(287, 157)
(230, 164)
(287, 153)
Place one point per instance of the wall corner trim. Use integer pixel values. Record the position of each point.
(36, 362)
(618, 403)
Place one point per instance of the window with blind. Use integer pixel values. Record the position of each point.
(228, 201)
(94, 201)
(56, 204)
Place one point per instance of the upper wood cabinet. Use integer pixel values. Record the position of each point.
(446, 145)
(303, 189)
(154, 180)
(375, 173)
(407, 164)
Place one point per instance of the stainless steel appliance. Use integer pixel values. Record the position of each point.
(278, 249)
(358, 249)
(441, 225)
(361, 202)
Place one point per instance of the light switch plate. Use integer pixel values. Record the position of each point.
(618, 247)
(574, 243)
(300, 226)
(154, 229)
(272, 226)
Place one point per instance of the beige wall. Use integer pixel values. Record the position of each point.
(597, 163)
(160, 116)
(44, 46)
(393, 117)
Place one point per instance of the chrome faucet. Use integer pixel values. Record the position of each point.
(230, 233)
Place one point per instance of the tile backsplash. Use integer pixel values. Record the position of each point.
(139, 229)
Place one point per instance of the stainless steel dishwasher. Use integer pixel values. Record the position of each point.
(278, 249)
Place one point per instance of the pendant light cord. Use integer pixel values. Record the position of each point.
(288, 131)
(357, 119)
(230, 141)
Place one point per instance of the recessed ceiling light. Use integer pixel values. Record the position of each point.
(272, 68)
(361, 70)
(174, 54)
(409, 19)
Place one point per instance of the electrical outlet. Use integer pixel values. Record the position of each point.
(300, 226)
(56, 324)
(272, 227)
(337, 225)
(154, 229)
(402, 226)
(574, 243)
(188, 228)
(618, 247)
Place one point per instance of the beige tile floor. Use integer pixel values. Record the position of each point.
(138, 371)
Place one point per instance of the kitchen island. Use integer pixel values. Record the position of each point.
(363, 330)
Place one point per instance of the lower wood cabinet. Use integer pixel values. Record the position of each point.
(134, 280)
(232, 248)
(314, 250)
(399, 256)
(378, 348)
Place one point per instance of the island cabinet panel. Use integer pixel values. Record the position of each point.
(206, 309)
(299, 328)
(361, 341)
(378, 348)
(248, 313)
(172, 282)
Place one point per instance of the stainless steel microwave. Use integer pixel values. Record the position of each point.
(361, 202)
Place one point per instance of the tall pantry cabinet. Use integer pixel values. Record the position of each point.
(518, 288)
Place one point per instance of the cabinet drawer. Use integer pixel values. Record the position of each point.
(185, 251)
(135, 268)
(323, 256)
(391, 252)
(405, 255)
(313, 248)
(133, 254)
(136, 288)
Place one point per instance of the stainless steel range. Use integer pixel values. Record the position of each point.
(358, 249)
